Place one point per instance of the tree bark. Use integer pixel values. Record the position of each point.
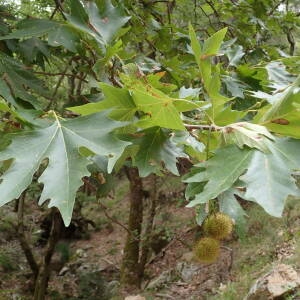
(42, 280)
(130, 276)
(145, 251)
(291, 41)
(22, 238)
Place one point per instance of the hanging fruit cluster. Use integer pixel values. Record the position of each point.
(216, 227)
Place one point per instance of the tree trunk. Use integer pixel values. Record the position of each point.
(145, 251)
(28, 251)
(42, 280)
(291, 41)
(130, 271)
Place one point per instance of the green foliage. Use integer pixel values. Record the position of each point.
(6, 262)
(92, 284)
(275, 171)
(219, 179)
(259, 166)
(224, 98)
(60, 143)
(16, 79)
(101, 20)
(64, 250)
(230, 206)
(155, 147)
(117, 99)
(6, 227)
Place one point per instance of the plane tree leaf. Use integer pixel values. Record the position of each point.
(196, 47)
(150, 97)
(6, 93)
(16, 79)
(185, 138)
(202, 213)
(289, 125)
(233, 160)
(79, 19)
(227, 116)
(282, 115)
(277, 73)
(202, 54)
(212, 45)
(281, 106)
(230, 206)
(234, 55)
(234, 86)
(64, 35)
(117, 99)
(31, 28)
(210, 75)
(59, 34)
(161, 110)
(269, 178)
(31, 48)
(156, 149)
(17, 115)
(101, 20)
(252, 135)
(106, 18)
(60, 143)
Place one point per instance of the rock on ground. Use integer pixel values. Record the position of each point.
(283, 278)
(138, 297)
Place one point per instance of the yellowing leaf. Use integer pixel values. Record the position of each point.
(116, 99)
(161, 110)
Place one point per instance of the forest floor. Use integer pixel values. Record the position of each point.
(89, 265)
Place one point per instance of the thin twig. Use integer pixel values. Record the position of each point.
(274, 8)
(59, 84)
(153, 46)
(112, 77)
(6, 79)
(59, 7)
(61, 74)
(79, 85)
(105, 208)
(207, 16)
(203, 127)
(219, 18)
(163, 250)
(213, 8)
(114, 220)
(184, 244)
(208, 143)
(195, 10)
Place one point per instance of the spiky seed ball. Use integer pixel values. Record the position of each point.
(206, 250)
(218, 226)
